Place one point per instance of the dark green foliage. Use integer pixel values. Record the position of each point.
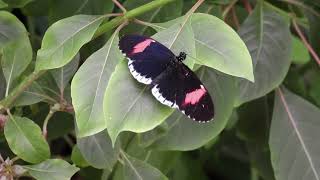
(70, 108)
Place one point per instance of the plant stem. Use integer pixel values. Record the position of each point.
(129, 15)
(9, 100)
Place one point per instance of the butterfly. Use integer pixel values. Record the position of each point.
(172, 83)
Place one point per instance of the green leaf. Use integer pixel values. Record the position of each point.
(16, 56)
(139, 170)
(62, 9)
(63, 75)
(25, 139)
(185, 134)
(52, 169)
(15, 47)
(97, 150)
(160, 14)
(17, 3)
(32, 95)
(218, 46)
(179, 37)
(89, 85)
(294, 138)
(10, 28)
(3, 4)
(135, 109)
(299, 53)
(77, 157)
(268, 39)
(64, 38)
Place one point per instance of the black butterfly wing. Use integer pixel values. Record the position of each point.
(147, 57)
(180, 88)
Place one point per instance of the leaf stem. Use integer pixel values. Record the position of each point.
(52, 110)
(247, 5)
(119, 5)
(12, 96)
(305, 42)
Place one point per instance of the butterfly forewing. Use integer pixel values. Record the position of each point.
(147, 58)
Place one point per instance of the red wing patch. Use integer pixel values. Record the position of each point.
(194, 96)
(140, 47)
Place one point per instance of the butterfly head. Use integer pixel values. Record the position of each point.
(182, 56)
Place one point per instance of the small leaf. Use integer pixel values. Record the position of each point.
(89, 85)
(299, 53)
(63, 40)
(139, 170)
(52, 169)
(63, 75)
(97, 150)
(218, 46)
(185, 134)
(268, 39)
(77, 157)
(25, 139)
(135, 109)
(3, 4)
(294, 138)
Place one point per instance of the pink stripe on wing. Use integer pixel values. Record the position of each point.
(140, 47)
(194, 96)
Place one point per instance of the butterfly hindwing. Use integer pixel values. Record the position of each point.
(180, 88)
(147, 57)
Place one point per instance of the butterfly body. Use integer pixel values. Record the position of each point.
(172, 83)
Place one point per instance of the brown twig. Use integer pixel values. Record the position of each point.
(116, 2)
(228, 8)
(247, 5)
(235, 18)
(305, 42)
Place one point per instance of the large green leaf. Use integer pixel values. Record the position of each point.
(218, 46)
(77, 157)
(294, 138)
(268, 38)
(97, 150)
(16, 56)
(25, 139)
(16, 48)
(10, 28)
(63, 75)
(52, 169)
(185, 134)
(62, 9)
(135, 169)
(89, 85)
(135, 109)
(64, 38)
